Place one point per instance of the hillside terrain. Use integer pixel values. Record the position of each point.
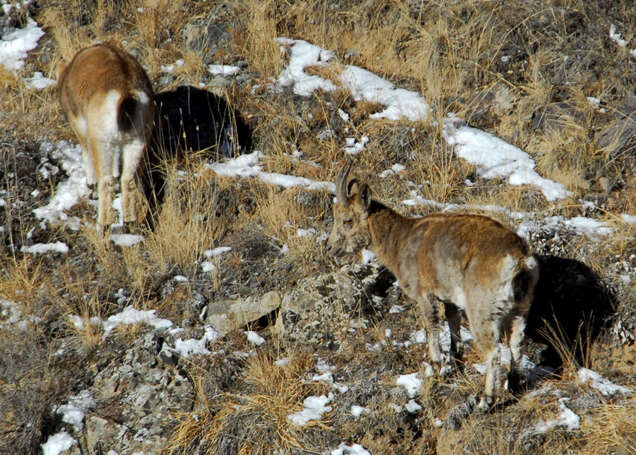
(229, 328)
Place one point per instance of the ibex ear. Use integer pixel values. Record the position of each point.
(364, 196)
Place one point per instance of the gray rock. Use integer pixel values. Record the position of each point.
(557, 117)
(137, 396)
(319, 308)
(228, 315)
(616, 135)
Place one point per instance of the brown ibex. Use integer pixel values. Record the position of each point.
(469, 263)
(108, 100)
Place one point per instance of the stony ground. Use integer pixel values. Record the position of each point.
(179, 345)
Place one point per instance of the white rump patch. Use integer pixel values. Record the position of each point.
(81, 125)
(108, 127)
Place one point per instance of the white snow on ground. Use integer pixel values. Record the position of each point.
(69, 191)
(598, 382)
(132, 316)
(58, 443)
(207, 266)
(411, 382)
(192, 346)
(566, 419)
(356, 411)
(313, 409)
(301, 55)
(73, 412)
(362, 84)
(355, 449)
(616, 37)
(43, 248)
(39, 82)
(401, 103)
(247, 166)
(580, 225)
(10, 312)
(217, 251)
(629, 219)
(396, 168)
(352, 147)
(128, 316)
(254, 338)
(412, 406)
(495, 157)
(170, 68)
(223, 70)
(126, 240)
(15, 45)
(367, 256)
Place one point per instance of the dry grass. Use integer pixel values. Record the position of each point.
(455, 54)
(255, 421)
(612, 429)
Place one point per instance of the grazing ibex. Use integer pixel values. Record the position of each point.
(108, 100)
(467, 262)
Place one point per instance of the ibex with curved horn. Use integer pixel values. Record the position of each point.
(469, 263)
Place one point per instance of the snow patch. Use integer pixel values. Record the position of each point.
(356, 411)
(193, 346)
(313, 409)
(58, 443)
(598, 382)
(73, 412)
(132, 316)
(43, 248)
(70, 191)
(355, 449)
(254, 338)
(217, 251)
(223, 70)
(567, 418)
(411, 382)
(496, 158)
(126, 240)
(247, 166)
(15, 45)
(38, 81)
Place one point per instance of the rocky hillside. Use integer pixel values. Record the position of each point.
(228, 328)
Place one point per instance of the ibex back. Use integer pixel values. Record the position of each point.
(108, 100)
(467, 262)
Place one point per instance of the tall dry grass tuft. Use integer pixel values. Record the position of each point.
(255, 38)
(189, 221)
(254, 421)
(612, 429)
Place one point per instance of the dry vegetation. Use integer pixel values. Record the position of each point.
(523, 73)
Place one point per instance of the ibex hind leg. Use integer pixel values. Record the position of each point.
(517, 378)
(429, 307)
(453, 316)
(132, 154)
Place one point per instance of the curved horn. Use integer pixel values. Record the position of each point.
(341, 182)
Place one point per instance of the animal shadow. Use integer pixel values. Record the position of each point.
(191, 119)
(570, 309)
